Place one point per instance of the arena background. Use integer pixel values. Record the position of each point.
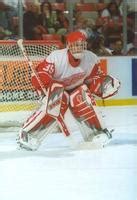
(123, 67)
(57, 170)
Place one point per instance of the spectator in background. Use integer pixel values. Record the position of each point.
(3, 15)
(79, 20)
(96, 45)
(32, 28)
(54, 21)
(46, 18)
(84, 24)
(116, 45)
(131, 20)
(131, 49)
(62, 23)
(110, 21)
(111, 12)
(5, 30)
(80, 23)
(90, 27)
(11, 13)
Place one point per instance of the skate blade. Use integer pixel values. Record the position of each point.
(26, 146)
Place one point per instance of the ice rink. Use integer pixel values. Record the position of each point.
(57, 172)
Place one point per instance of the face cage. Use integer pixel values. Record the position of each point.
(77, 47)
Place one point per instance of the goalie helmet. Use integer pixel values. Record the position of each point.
(76, 43)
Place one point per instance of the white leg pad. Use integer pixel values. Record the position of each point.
(33, 141)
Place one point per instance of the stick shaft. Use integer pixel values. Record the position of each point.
(24, 52)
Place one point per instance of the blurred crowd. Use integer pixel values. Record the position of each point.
(104, 31)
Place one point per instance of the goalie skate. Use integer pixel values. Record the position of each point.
(101, 138)
(31, 141)
(98, 141)
(27, 142)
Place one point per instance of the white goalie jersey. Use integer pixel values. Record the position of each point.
(67, 74)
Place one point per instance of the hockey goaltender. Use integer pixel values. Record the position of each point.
(72, 78)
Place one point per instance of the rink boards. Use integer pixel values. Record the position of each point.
(124, 68)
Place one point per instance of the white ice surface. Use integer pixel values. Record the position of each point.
(57, 172)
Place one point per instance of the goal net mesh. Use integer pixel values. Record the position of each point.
(16, 92)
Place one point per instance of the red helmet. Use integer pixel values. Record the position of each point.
(75, 36)
(76, 43)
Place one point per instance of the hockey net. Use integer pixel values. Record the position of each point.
(17, 96)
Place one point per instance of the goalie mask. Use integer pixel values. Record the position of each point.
(76, 43)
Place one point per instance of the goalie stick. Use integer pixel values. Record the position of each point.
(24, 52)
(58, 116)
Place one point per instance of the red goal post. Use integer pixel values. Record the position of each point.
(16, 92)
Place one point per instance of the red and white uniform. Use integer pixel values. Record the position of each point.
(73, 67)
(67, 73)
(72, 73)
(62, 68)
